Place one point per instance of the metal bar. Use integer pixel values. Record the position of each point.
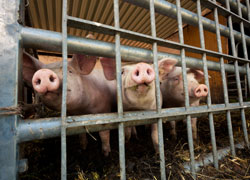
(10, 74)
(119, 92)
(122, 151)
(185, 87)
(247, 65)
(161, 149)
(155, 59)
(50, 127)
(106, 29)
(206, 160)
(223, 75)
(169, 9)
(234, 7)
(48, 40)
(225, 12)
(118, 60)
(64, 92)
(158, 92)
(209, 103)
(248, 9)
(243, 117)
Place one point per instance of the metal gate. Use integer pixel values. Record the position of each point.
(14, 37)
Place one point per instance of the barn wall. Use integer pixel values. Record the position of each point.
(49, 59)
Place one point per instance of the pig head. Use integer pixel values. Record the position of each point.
(86, 85)
(138, 90)
(173, 93)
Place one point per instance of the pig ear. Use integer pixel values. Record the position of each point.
(30, 66)
(109, 68)
(165, 66)
(83, 63)
(199, 75)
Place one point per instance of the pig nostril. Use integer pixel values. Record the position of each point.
(137, 73)
(148, 72)
(38, 81)
(198, 91)
(51, 78)
(205, 90)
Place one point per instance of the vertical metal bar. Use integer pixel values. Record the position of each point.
(243, 117)
(209, 103)
(158, 93)
(247, 65)
(248, 9)
(9, 76)
(64, 92)
(223, 75)
(122, 151)
(118, 58)
(155, 59)
(185, 84)
(119, 92)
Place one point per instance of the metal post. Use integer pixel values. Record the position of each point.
(185, 84)
(209, 103)
(223, 74)
(64, 92)
(243, 117)
(119, 92)
(158, 93)
(9, 74)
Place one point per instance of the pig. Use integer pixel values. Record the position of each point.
(173, 93)
(87, 84)
(138, 90)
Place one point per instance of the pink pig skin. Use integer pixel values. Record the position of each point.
(173, 93)
(87, 84)
(138, 90)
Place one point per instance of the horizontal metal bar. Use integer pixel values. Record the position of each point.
(169, 9)
(225, 12)
(234, 7)
(106, 29)
(208, 159)
(234, 82)
(232, 90)
(130, 116)
(50, 127)
(49, 40)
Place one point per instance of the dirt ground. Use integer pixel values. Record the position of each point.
(142, 163)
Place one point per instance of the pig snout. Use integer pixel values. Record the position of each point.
(143, 73)
(45, 80)
(201, 91)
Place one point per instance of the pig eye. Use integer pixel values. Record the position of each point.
(176, 79)
(70, 71)
(122, 71)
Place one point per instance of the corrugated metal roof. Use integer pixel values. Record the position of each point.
(47, 14)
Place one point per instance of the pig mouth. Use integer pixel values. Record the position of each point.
(142, 88)
(54, 93)
(51, 94)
